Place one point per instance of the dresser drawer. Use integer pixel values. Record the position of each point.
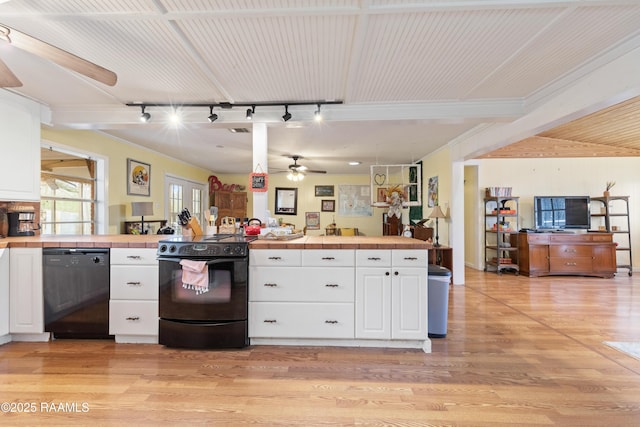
(575, 265)
(537, 239)
(409, 258)
(139, 282)
(328, 258)
(274, 257)
(133, 256)
(373, 258)
(133, 317)
(311, 284)
(301, 320)
(569, 251)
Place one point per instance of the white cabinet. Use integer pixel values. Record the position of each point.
(26, 320)
(293, 294)
(391, 294)
(4, 296)
(20, 147)
(133, 304)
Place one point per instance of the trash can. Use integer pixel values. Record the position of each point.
(438, 297)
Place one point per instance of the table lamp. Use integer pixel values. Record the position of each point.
(142, 209)
(437, 213)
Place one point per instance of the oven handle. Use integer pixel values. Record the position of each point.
(208, 260)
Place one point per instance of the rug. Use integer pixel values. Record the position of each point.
(630, 348)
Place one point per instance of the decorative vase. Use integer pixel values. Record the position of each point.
(606, 194)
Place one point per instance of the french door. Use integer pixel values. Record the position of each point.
(181, 193)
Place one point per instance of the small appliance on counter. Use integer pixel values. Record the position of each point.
(22, 223)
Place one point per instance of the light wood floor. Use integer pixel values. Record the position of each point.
(519, 351)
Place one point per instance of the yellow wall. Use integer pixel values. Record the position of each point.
(117, 152)
(438, 164)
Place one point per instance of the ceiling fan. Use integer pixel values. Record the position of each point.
(297, 168)
(61, 57)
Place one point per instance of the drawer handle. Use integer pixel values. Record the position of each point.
(373, 258)
(410, 258)
(134, 283)
(270, 321)
(331, 285)
(133, 318)
(572, 251)
(134, 257)
(328, 258)
(271, 285)
(572, 264)
(395, 273)
(331, 322)
(386, 273)
(275, 258)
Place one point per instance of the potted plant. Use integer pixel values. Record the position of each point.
(610, 185)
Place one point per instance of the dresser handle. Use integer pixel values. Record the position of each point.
(134, 283)
(270, 321)
(328, 258)
(410, 258)
(271, 285)
(133, 319)
(373, 258)
(331, 285)
(331, 322)
(572, 251)
(134, 257)
(571, 264)
(275, 258)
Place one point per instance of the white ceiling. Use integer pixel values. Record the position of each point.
(413, 75)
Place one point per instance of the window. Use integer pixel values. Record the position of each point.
(68, 193)
(182, 194)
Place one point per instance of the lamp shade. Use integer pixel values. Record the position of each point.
(437, 213)
(141, 208)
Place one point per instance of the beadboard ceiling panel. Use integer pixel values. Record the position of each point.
(412, 75)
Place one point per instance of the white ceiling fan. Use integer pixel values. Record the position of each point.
(61, 57)
(297, 171)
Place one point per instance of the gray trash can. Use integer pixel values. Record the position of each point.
(438, 297)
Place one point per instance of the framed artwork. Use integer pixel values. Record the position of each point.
(286, 201)
(138, 178)
(433, 192)
(324, 191)
(312, 220)
(382, 195)
(328, 206)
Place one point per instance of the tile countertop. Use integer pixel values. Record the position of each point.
(151, 241)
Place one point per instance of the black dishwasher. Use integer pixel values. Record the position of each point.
(76, 292)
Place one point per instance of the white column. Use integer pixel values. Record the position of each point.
(456, 213)
(260, 146)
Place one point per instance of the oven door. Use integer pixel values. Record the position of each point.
(226, 299)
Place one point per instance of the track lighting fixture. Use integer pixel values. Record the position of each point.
(317, 116)
(212, 117)
(144, 117)
(250, 112)
(287, 114)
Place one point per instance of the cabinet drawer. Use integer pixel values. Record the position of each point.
(133, 317)
(301, 320)
(133, 256)
(537, 239)
(569, 251)
(328, 258)
(312, 284)
(409, 258)
(570, 265)
(373, 258)
(138, 282)
(274, 257)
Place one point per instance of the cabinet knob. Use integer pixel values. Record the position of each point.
(395, 273)
(386, 273)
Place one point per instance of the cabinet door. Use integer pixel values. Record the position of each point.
(604, 259)
(373, 303)
(409, 304)
(538, 259)
(25, 291)
(4, 292)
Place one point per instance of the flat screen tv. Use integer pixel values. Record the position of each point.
(562, 212)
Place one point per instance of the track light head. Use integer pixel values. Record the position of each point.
(250, 112)
(144, 117)
(317, 116)
(287, 114)
(212, 116)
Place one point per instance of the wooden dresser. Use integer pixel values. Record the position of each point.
(547, 254)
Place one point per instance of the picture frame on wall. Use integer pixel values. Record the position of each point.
(138, 178)
(312, 220)
(324, 190)
(328, 206)
(286, 201)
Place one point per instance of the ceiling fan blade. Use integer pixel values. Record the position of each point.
(61, 57)
(7, 78)
(314, 171)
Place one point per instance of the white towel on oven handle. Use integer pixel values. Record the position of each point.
(195, 275)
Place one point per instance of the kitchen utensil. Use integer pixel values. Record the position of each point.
(253, 229)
